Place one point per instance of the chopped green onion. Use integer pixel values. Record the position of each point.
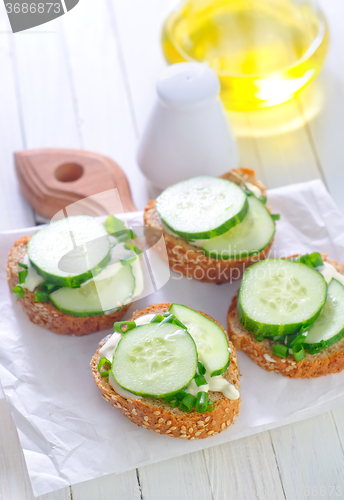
(158, 318)
(275, 216)
(315, 350)
(278, 338)
(299, 352)
(312, 260)
(187, 403)
(128, 260)
(41, 297)
(172, 401)
(263, 199)
(24, 266)
(298, 340)
(175, 321)
(167, 318)
(201, 368)
(119, 325)
(200, 380)
(260, 337)
(211, 406)
(125, 235)
(22, 276)
(202, 402)
(131, 246)
(18, 292)
(47, 287)
(113, 225)
(180, 395)
(104, 372)
(280, 350)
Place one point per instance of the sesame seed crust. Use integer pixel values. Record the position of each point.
(329, 360)
(191, 261)
(45, 314)
(155, 414)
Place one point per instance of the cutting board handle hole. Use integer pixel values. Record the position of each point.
(68, 172)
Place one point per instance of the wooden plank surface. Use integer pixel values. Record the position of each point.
(95, 91)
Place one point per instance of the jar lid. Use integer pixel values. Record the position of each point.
(188, 84)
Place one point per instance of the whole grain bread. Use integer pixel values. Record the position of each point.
(191, 261)
(329, 360)
(45, 314)
(156, 415)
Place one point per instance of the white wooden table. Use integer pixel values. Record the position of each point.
(87, 81)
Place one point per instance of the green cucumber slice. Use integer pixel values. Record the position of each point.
(329, 327)
(155, 360)
(202, 207)
(212, 344)
(51, 253)
(249, 237)
(97, 296)
(278, 297)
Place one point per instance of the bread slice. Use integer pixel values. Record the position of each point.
(45, 314)
(156, 415)
(329, 360)
(191, 261)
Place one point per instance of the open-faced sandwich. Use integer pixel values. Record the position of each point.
(288, 315)
(76, 276)
(172, 370)
(214, 228)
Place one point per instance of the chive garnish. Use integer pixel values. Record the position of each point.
(172, 401)
(275, 216)
(18, 292)
(114, 225)
(280, 350)
(119, 325)
(211, 406)
(22, 276)
(187, 403)
(41, 297)
(128, 260)
(202, 402)
(312, 259)
(200, 380)
(263, 199)
(158, 318)
(104, 367)
(298, 352)
(201, 368)
(24, 266)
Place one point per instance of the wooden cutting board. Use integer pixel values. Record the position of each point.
(53, 179)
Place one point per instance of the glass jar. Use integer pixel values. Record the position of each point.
(264, 51)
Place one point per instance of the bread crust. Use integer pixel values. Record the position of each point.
(45, 314)
(190, 261)
(329, 360)
(157, 416)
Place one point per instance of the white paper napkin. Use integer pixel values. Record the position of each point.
(70, 434)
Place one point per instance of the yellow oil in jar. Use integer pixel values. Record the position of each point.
(264, 51)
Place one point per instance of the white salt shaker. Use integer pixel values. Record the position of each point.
(187, 133)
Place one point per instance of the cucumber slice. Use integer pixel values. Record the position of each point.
(97, 296)
(202, 207)
(155, 360)
(212, 344)
(249, 237)
(278, 297)
(51, 253)
(329, 327)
